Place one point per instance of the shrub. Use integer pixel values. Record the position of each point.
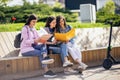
(41, 10)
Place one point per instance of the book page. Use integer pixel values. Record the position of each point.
(46, 37)
(42, 32)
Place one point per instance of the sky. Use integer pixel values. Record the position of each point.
(19, 2)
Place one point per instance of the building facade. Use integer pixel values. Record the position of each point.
(75, 4)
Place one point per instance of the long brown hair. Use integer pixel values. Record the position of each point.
(49, 20)
(58, 18)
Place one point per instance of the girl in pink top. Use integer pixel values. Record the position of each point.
(30, 47)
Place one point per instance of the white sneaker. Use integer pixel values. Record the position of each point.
(84, 66)
(47, 60)
(67, 64)
(70, 71)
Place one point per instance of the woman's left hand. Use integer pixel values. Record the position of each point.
(67, 41)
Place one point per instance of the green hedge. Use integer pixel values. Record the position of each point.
(106, 19)
(41, 10)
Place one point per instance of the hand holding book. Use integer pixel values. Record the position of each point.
(44, 38)
(65, 37)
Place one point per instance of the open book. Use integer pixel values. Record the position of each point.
(42, 32)
(44, 36)
(65, 36)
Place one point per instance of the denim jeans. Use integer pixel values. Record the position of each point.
(62, 50)
(39, 51)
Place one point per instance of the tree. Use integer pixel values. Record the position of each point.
(109, 8)
(2, 15)
(106, 12)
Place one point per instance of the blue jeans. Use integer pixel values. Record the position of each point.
(62, 50)
(39, 51)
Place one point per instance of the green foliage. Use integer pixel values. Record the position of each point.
(41, 10)
(70, 17)
(107, 13)
(109, 8)
(114, 18)
(58, 5)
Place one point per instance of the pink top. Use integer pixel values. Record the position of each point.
(28, 35)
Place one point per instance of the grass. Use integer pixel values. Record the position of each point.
(87, 25)
(17, 26)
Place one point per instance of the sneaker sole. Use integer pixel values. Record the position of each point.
(48, 61)
(85, 67)
(68, 66)
(48, 76)
(68, 73)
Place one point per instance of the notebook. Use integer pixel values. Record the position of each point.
(65, 36)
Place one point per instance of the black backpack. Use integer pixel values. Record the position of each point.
(17, 40)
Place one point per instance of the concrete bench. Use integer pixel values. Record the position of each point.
(15, 67)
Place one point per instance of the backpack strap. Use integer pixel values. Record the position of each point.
(27, 33)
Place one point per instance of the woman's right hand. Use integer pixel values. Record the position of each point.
(40, 40)
(54, 41)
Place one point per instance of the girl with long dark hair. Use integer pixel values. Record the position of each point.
(30, 45)
(55, 46)
(71, 47)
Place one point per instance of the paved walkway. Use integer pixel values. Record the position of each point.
(96, 73)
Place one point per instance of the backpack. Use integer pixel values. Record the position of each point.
(17, 40)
